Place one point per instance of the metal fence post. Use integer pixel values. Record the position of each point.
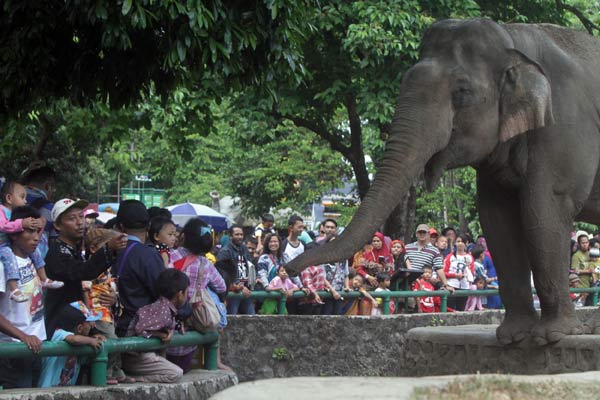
(281, 309)
(211, 355)
(386, 306)
(444, 302)
(99, 366)
(595, 296)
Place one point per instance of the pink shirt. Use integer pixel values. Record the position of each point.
(276, 283)
(8, 226)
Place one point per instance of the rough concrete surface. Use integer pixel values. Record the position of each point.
(349, 388)
(264, 347)
(196, 384)
(474, 348)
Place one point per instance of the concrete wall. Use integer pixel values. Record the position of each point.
(262, 347)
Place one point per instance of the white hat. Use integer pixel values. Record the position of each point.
(581, 233)
(65, 204)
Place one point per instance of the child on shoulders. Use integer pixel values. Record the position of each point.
(13, 195)
(73, 326)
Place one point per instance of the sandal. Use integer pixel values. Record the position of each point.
(110, 381)
(126, 379)
(18, 296)
(50, 284)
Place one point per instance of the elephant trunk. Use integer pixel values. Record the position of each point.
(420, 128)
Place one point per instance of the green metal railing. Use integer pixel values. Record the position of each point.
(210, 341)
(387, 296)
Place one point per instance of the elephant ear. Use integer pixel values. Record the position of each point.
(525, 97)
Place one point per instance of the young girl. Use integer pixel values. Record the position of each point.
(163, 235)
(359, 306)
(13, 195)
(475, 302)
(285, 285)
(459, 268)
(427, 304)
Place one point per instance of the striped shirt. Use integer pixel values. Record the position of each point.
(428, 255)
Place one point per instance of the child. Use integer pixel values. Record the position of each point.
(475, 302)
(576, 298)
(427, 304)
(359, 306)
(285, 285)
(163, 235)
(384, 281)
(14, 195)
(158, 320)
(74, 323)
(478, 253)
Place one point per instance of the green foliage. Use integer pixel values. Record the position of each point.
(78, 49)
(281, 354)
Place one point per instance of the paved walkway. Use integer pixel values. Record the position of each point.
(366, 387)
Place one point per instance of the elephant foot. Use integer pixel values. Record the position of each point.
(515, 328)
(552, 329)
(592, 325)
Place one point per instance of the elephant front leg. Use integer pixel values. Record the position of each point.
(546, 217)
(500, 217)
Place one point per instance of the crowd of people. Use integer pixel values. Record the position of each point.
(66, 277)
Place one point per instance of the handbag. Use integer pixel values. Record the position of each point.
(205, 314)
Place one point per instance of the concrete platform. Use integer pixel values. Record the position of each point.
(359, 388)
(471, 349)
(196, 384)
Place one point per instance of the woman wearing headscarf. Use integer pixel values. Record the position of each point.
(375, 259)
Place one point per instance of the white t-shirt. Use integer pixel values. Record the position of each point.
(29, 315)
(290, 252)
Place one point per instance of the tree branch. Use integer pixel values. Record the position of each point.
(587, 23)
(333, 140)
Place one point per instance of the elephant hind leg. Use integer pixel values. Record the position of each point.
(500, 217)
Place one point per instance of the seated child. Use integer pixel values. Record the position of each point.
(158, 320)
(73, 324)
(384, 280)
(284, 284)
(13, 195)
(475, 302)
(359, 306)
(427, 304)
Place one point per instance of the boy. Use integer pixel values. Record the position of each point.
(73, 325)
(384, 282)
(13, 195)
(158, 320)
(426, 304)
(28, 316)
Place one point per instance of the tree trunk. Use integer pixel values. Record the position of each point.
(401, 222)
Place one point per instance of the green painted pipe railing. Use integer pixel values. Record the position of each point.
(210, 340)
(394, 294)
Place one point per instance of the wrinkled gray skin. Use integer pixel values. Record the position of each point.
(521, 104)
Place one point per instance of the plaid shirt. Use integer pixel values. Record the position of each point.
(313, 278)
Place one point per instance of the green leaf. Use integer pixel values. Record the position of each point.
(126, 7)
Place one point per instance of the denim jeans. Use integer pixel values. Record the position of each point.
(240, 306)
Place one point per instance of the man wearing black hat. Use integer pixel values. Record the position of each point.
(138, 266)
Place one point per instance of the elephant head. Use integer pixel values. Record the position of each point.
(470, 93)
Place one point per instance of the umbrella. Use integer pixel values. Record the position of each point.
(186, 211)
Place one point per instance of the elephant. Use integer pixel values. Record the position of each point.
(521, 104)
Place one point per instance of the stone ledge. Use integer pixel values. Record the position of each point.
(196, 384)
(474, 348)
